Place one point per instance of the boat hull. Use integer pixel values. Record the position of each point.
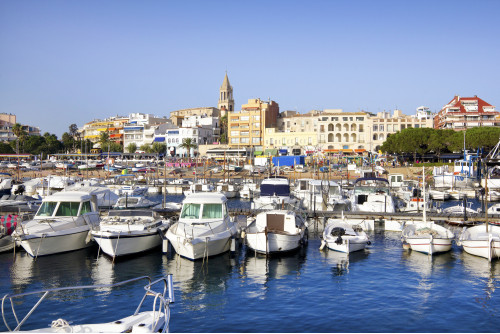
(48, 244)
(429, 245)
(116, 244)
(6, 243)
(200, 247)
(273, 242)
(483, 248)
(348, 245)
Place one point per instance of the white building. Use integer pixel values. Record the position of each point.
(140, 129)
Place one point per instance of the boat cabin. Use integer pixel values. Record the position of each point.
(67, 204)
(202, 206)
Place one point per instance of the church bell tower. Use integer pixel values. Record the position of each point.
(226, 101)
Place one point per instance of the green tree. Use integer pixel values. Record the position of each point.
(223, 129)
(103, 141)
(68, 142)
(132, 147)
(146, 148)
(20, 134)
(158, 147)
(188, 144)
(6, 148)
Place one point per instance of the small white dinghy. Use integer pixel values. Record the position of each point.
(427, 237)
(343, 237)
(276, 231)
(481, 240)
(153, 321)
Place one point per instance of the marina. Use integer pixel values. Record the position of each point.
(232, 261)
(384, 288)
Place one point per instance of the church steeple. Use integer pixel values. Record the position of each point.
(226, 101)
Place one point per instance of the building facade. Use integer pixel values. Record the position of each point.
(462, 113)
(246, 126)
(384, 124)
(113, 125)
(7, 122)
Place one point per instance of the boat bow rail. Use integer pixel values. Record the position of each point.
(161, 303)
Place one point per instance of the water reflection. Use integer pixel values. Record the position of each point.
(484, 274)
(424, 268)
(341, 262)
(48, 272)
(202, 283)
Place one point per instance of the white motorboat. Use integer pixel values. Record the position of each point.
(493, 196)
(230, 190)
(125, 232)
(372, 195)
(249, 189)
(204, 228)
(275, 193)
(276, 231)
(457, 213)
(134, 202)
(105, 197)
(343, 237)
(322, 195)
(481, 240)
(127, 184)
(8, 225)
(438, 195)
(18, 203)
(201, 186)
(61, 224)
(156, 320)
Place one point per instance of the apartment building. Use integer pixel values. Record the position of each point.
(246, 126)
(7, 122)
(462, 113)
(384, 124)
(113, 125)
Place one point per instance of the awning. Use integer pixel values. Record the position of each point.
(271, 151)
(309, 152)
(347, 150)
(116, 135)
(359, 150)
(283, 151)
(331, 151)
(257, 153)
(159, 139)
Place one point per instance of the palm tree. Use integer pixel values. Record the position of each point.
(188, 144)
(18, 131)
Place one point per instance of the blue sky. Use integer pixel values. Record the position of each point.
(64, 62)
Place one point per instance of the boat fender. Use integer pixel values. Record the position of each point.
(323, 244)
(339, 240)
(368, 242)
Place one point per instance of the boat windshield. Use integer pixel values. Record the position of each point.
(46, 209)
(68, 209)
(208, 211)
(212, 211)
(190, 211)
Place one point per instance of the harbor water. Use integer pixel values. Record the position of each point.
(384, 288)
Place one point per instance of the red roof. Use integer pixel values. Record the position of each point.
(457, 102)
